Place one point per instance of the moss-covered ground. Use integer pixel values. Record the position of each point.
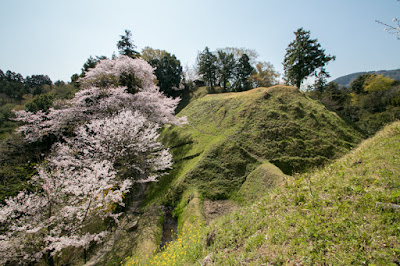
(237, 147)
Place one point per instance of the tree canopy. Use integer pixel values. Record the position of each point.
(303, 57)
(168, 70)
(234, 70)
(207, 67)
(243, 72)
(264, 75)
(226, 67)
(105, 143)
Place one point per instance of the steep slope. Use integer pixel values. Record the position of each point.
(279, 124)
(224, 153)
(229, 135)
(345, 213)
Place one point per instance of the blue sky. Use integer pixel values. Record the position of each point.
(56, 37)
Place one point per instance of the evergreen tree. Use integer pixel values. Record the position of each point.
(91, 63)
(226, 65)
(168, 71)
(126, 47)
(303, 57)
(207, 67)
(243, 73)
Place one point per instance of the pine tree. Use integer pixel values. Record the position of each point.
(243, 73)
(303, 57)
(207, 67)
(126, 47)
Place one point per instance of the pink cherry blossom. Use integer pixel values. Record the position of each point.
(107, 143)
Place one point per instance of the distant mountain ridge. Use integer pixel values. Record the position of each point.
(347, 79)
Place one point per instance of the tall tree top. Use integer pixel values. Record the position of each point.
(126, 47)
(303, 57)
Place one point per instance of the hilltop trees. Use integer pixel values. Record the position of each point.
(91, 63)
(207, 67)
(243, 72)
(226, 67)
(168, 70)
(233, 69)
(107, 142)
(370, 102)
(264, 75)
(12, 86)
(303, 57)
(125, 45)
(37, 80)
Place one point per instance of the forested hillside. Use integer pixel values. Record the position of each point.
(32, 93)
(370, 102)
(346, 80)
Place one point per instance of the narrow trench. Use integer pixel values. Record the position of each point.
(170, 228)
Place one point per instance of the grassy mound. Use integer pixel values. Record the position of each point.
(260, 182)
(225, 150)
(231, 134)
(279, 124)
(345, 213)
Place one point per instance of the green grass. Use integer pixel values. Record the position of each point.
(231, 134)
(327, 216)
(259, 182)
(223, 152)
(187, 248)
(279, 124)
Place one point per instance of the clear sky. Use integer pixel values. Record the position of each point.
(56, 37)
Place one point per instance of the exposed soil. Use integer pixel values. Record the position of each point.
(215, 209)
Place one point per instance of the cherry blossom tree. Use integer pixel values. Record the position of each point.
(107, 99)
(46, 221)
(107, 142)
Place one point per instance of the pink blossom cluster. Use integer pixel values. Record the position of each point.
(55, 216)
(107, 142)
(107, 72)
(93, 103)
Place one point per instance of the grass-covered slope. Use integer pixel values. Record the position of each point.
(236, 146)
(279, 124)
(345, 213)
(231, 134)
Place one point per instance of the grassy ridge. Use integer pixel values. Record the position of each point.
(223, 152)
(230, 134)
(333, 215)
(279, 124)
(344, 213)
